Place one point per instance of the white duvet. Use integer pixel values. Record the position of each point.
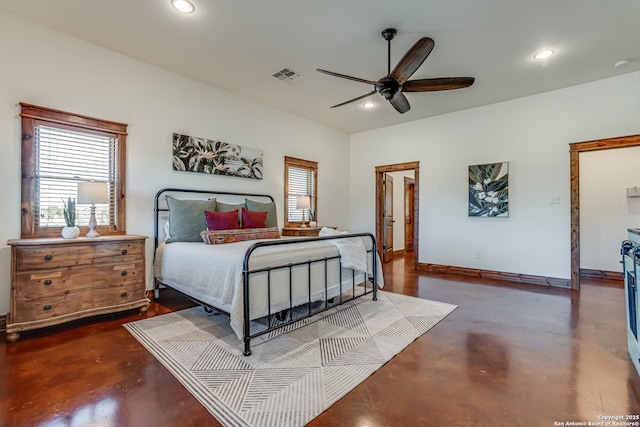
(213, 274)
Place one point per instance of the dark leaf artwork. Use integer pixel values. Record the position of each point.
(489, 190)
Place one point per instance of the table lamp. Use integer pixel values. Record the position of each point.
(302, 203)
(92, 193)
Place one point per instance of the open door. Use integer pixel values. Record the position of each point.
(387, 214)
(409, 189)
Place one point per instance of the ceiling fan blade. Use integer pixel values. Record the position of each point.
(343, 76)
(400, 103)
(355, 99)
(431, 85)
(412, 60)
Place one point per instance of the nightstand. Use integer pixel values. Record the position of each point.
(302, 231)
(57, 280)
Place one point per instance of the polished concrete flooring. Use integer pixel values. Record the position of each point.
(510, 355)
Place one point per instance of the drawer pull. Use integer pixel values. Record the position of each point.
(124, 273)
(46, 307)
(48, 257)
(123, 294)
(123, 252)
(48, 282)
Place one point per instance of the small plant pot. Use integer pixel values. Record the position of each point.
(70, 232)
(313, 224)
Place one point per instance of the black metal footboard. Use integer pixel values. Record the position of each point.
(320, 304)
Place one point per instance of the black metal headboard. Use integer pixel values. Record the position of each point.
(159, 204)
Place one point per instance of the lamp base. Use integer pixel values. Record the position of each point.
(93, 223)
(304, 225)
(93, 233)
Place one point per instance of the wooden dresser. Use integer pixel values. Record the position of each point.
(57, 280)
(302, 231)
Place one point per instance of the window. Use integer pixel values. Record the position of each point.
(300, 179)
(60, 150)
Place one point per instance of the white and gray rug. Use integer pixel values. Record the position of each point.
(293, 375)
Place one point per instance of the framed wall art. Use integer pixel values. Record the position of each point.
(489, 190)
(194, 154)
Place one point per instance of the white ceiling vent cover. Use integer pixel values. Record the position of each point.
(286, 75)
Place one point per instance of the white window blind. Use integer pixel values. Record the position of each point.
(301, 182)
(63, 159)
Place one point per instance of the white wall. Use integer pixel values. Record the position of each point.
(51, 69)
(533, 135)
(605, 210)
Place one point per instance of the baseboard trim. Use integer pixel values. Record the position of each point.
(496, 275)
(602, 274)
(399, 252)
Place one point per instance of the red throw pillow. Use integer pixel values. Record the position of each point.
(221, 220)
(253, 219)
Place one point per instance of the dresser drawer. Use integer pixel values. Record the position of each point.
(31, 285)
(47, 257)
(75, 302)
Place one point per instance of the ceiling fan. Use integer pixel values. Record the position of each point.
(397, 81)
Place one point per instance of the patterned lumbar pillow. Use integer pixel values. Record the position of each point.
(216, 237)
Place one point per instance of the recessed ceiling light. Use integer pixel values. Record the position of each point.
(369, 104)
(184, 6)
(543, 54)
(621, 63)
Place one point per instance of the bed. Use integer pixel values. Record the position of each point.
(262, 284)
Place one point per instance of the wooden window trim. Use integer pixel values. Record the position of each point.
(306, 164)
(31, 114)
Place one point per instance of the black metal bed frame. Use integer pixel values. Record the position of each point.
(283, 319)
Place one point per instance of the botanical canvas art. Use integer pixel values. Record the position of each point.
(193, 154)
(489, 190)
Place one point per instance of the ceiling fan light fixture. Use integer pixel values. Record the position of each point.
(543, 54)
(184, 6)
(396, 82)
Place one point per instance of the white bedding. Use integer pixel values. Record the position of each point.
(213, 274)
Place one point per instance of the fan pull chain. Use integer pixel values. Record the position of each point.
(389, 57)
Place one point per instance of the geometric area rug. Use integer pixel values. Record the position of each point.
(292, 375)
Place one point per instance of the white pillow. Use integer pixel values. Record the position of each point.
(166, 231)
(326, 231)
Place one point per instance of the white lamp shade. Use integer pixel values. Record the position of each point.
(303, 202)
(92, 192)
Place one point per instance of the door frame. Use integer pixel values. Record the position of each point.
(380, 171)
(575, 149)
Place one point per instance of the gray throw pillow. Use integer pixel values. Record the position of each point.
(226, 207)
(186, 218)
(269, 208)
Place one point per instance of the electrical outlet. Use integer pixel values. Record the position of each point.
(478, 255)
(554, 200)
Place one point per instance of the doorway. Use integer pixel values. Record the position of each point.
(574, 161)
(384, 213)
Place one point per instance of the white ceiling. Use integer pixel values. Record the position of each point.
(237, 45)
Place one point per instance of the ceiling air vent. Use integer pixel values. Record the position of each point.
(286, 75)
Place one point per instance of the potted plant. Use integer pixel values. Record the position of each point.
(70, 231)
(312, 218)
